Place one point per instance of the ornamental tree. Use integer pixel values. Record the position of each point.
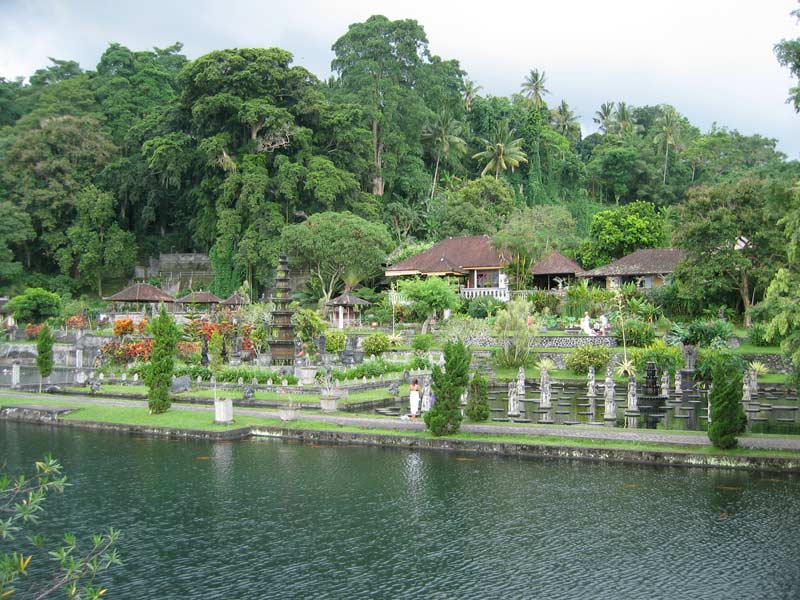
(158, 374)
(34, 305)
(330, 243)
(44, 353)
(727, 416)
(445, 416)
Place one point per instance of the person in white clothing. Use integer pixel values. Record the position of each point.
(413, 399)
(586, 324)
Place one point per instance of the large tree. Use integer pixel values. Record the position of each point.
(788, 53)
(329, 243)
(379, 63)
(502, 151)
(98, 247)
(728, 232)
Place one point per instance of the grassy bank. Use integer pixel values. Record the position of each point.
(181, 419)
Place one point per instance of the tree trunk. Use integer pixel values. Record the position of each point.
(99, 285)
(377, 151)
(435, 174)
(666, 162)
(744, 292)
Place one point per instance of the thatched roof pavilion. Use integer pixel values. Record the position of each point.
(235, 299)
(346, 310)
(199, 298)
(141, 292)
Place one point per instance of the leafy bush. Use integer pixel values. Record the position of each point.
(709, 358)
(727, 415)
(668, 358)
(584, 357)
(158, 374)
(419, 361)
(123, 327)
(422, 342)
(375, 344)
(193, 371)
(308, 324)
(703, 333)
(483, 306)
(34, 305)
(758, 336)
(513, 332)
(637, 333)
(581, 298)
(478, 404)
(369, 368)
(542, 302)
(335, 340)
(232, 375)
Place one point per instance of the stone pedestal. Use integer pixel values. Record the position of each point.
(287, 414)
(223, 411)
(79, 358)
(15, 375)
(305, 375)
(329, 403)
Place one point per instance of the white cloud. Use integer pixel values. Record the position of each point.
(712, 59)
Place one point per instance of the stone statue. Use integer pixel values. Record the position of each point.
(513, 401)
(610, 409)
(665, 383)
(546, 394)
(678, 383)
(591, 384)
(633, 398)
(521, 382)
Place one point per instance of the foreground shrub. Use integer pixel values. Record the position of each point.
(478, 404)
(376, 344)
(335, 340)
(483, 306)
(445, 416)
(158, 374)
(727, 416)
(669, 358)
(232, 375)
(584, 357)
(637, 333)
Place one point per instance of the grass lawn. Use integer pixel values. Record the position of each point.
(748, 348)
(236, 394)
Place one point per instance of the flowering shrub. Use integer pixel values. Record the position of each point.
(32, 330)
(123, 327)
(121, 353)
(77, 322)
(188, 351)
(141, 326)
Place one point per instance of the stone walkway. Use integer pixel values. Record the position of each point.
(771, 442)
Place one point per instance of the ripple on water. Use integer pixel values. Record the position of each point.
(265, 519)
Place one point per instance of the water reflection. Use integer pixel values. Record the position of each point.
(266, 519)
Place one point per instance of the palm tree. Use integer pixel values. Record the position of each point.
(533, 87)
(471, 90)
(605, 116)
(502, 152)
(624, 122)
(565, 121)
(444, 135)
(668, 129)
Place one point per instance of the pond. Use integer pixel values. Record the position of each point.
(271, 519)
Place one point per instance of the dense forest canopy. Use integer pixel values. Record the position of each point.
(152, 152)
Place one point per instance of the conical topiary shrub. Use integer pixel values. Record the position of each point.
(445, 416)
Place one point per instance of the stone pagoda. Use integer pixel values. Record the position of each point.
(281, 341)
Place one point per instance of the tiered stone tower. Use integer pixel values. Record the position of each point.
(281, 341)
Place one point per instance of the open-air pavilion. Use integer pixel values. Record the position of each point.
(346, 310)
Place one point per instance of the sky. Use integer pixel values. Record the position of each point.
(711, 59)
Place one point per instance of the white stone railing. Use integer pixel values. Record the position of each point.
(493, 292)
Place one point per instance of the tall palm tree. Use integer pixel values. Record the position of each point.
(624, 121)
(533, 87)
(605, 116)
(502, 152)
(471, 90)
(444, 135)
(565, 121)
(668, 130)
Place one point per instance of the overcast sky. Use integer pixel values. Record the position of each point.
(711, 59)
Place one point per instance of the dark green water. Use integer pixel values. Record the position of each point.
(270, 519)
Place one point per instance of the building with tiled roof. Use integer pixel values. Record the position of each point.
(473, 259)
(554, 269)
(648, 268)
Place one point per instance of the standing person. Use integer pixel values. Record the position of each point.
(413, 398)
(586, 324)
(604, 326)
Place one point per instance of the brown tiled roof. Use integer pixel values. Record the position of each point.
(642, 262)
(141, 292)
(555, 264)
(452, 255)
(347, 299)
(199, 298)
(235, 299)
